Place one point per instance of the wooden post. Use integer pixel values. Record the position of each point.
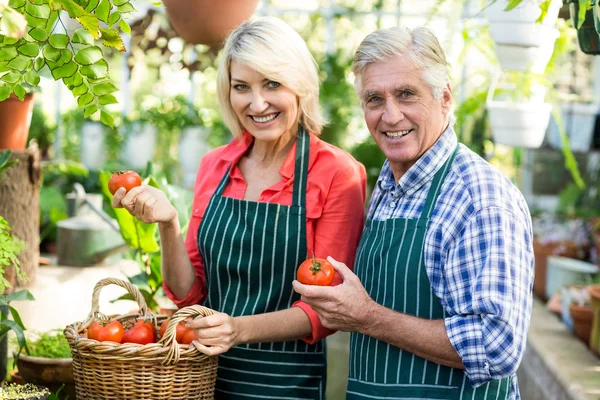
(20, 206)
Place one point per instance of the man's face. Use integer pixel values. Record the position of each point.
(401, 113)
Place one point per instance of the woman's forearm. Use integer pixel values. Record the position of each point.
(278, 326)
(176, 267)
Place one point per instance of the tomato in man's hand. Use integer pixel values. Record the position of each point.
(142, 332)
(126, 179)
(316, 271)
(111, 332)
(189, 337)
(180, 330)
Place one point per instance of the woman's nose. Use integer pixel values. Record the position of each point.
(258, 104)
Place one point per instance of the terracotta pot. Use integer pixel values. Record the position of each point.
(15, 118)
(594, 342)
(541, 252)
(207, 21)
(582, 322)
(49, 372)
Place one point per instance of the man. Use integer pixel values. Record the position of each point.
(440, 304)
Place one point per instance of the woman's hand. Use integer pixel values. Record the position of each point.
(148, 204)
(216, 333)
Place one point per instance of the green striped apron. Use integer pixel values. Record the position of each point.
(251, 251)
(391, 265)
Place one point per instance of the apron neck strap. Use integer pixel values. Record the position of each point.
(436, 184)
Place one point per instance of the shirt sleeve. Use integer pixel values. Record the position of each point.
(491, 272)
(338, 230)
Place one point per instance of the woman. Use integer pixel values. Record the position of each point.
(262, 204)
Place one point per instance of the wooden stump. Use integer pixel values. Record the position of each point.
(20, 206)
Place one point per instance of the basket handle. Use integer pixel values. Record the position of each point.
(137, 296)
(168, 339)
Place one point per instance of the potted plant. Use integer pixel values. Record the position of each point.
(580, 313)
(206, 21)
(23, 392)
(34, 39)
(584, 20)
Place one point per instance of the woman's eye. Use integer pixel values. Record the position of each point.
(273, 84)
(240, 87)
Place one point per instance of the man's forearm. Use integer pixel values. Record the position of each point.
(422, 337)
(176, 267)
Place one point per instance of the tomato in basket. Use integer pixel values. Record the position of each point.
(317, 271)
(180, 331)
(140, 332)
(110, 332)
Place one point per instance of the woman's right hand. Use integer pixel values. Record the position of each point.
(147, 203)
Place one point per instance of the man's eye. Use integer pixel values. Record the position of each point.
(406, 95)
(374, 99)
(273, 85)
(240, 87)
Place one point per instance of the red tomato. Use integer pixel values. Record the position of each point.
(142, 332)
(189, 337)
(126, 179)
(180, 330)
(337, 279)
(112, 332)
(316, 271)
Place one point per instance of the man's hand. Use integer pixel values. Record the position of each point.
(346, 307)
(216, 333)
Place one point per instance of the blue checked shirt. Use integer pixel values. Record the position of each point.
(478, 254)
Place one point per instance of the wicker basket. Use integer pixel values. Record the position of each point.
(158, 371)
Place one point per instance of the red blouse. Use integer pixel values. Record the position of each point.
(335, 198)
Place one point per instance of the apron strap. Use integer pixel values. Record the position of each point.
(437, 182)
(301, 167)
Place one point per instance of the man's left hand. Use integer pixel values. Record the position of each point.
(346, 307)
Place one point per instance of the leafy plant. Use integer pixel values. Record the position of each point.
(26, 391)
(27, 49)
(52, 344)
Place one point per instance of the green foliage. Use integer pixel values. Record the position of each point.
(51, 344)
(371, 156)
(10, 247)
(4, 163)
(73, 57)
(40, 130)
(25, 391)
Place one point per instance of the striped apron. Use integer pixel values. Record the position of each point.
(391, 265)
(251, 251)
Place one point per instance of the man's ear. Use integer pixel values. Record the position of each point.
(447, 99)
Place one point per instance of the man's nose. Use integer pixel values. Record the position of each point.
(258, 104)
(392, 114)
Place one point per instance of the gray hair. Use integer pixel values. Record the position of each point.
(275, 50)
(419, 45)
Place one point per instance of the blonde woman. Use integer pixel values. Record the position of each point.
(262, 204)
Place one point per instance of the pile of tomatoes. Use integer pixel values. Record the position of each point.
(138, 331)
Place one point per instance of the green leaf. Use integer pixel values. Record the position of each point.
(66, 56)
(65, 71)
(581, 16)
(29, 49)
(89, 55)
(58, 41)
(104, 88)
(32, 78)
(92, 5)
(108, 120)
(107, 99)
(17, 3)
(90, 110)
(50, 53)
(77, 79)
(98, 70)
(113, 18)
(21, 63)
(82, 36)
(4, 93)
(79, 90)
(39, 34)
(36, 22)
(11, 77)
(112, 38)
(120, 2)
(85, 99)
(39, 63)
(8, 53)
(91, 23)
(126, 8)
(102, 10)
(20, 295)
(19, 91)
(41, 11)
(125, 27)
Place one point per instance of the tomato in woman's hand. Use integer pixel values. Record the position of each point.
(142, 332)
(316, 271)
(126, 179)
(180, 330)
(111, 332)
(189, 337)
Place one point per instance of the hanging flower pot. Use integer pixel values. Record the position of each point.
(519, 124)
(207, 21)
(587, 33)
(15, 118)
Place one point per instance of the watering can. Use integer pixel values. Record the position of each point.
(89, 235)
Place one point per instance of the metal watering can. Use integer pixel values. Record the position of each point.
(89, 235)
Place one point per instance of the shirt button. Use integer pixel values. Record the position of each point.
(392, 204)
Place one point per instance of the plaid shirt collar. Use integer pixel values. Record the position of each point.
(423, 170)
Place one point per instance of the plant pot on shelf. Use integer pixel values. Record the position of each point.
(572, 294)
(15, 119)
(207, 21)
(582, 321)
(564, 271)
(595, 334)
(587, 36)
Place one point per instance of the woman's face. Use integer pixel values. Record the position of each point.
(267, 109)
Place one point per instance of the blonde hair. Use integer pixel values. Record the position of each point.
(272, 48)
